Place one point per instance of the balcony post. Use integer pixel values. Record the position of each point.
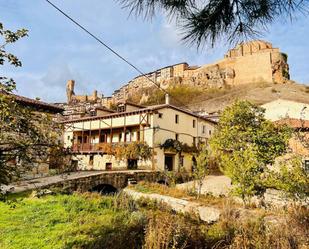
(99, 131)
(90, 144)
(111, 131)
(82, 136)
(124, 130)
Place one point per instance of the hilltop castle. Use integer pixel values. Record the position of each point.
(251, 62)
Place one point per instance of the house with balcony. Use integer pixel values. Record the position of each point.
(90, 138)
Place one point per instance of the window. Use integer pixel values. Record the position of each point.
(193, 123)
(91, 160)
(194, 141)
(121, 108)
(204, 129)
(69, 138)
(108, 166)
(176, 136)
(209, 132)
(176, 119)
(160, 115)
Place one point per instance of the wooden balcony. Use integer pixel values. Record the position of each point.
(88, 147)
(91, 148)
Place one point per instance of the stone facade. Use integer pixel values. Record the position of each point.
(251, 62)
(88, 137)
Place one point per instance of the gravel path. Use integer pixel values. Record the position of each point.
(216, 185)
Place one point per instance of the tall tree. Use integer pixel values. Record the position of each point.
(211, 20)
(24, 135)
(245, 143)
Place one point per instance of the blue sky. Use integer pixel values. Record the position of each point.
(56, 50)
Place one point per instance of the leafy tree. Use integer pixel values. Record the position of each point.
(244, 170)
(245, 143)
(209, 21)
(291, 177)
(24, 134)
(201, 169)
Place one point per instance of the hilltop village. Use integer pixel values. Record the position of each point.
(94, 122)
(171, 165)
(248, 63)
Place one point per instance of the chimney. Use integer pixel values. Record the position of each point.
(167, 99)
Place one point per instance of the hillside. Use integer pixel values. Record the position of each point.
(214, 99)
(258, 94)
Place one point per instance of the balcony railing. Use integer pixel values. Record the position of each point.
(86, 147)
(98, 147)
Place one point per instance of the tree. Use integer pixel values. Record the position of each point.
(245, 143)
(201, 170)
(212, 20)
(244, 170)
(25, 136)
(292, 177)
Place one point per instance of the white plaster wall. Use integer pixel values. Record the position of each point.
(280, 109)
(184, 128)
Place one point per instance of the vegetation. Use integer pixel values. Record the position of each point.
(292, 177)
(134, 150)
(178, 147)
(69, 221)
(116, 222)
(25, 136)
(201, 170)
(155, 96)
(213, 20)
(173, 191)
(245, 143)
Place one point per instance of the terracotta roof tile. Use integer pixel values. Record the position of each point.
(35, 103)
(294, 123)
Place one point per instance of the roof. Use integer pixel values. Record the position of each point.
(149, 109)
(103, 108)
(294, 123)
(131, 103)
(35, 103)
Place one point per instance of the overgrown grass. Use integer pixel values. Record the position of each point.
(183, 93)
(94, 221)
(68, 221)
(147, 187)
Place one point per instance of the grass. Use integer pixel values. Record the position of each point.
(65, 221)
(208, 200)
(93, 221)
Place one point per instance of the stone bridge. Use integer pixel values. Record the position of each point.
(89, 180)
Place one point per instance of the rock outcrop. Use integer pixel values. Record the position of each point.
(251, 62)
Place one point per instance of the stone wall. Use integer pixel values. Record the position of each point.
(118, 180)
(251, 62)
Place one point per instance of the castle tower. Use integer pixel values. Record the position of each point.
(70, 90)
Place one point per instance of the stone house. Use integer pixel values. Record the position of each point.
(153, 125)
(41, 110)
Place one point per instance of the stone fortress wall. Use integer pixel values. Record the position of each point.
(251, 62)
